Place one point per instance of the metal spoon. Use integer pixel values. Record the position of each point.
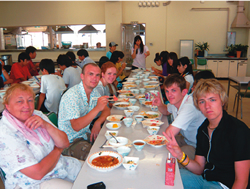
(114, 137)
(103, 143)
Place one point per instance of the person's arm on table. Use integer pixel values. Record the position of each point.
(47, 164)
(82, 122)
(241, 174)
(196, 166)
(97, 125)
(157, 102)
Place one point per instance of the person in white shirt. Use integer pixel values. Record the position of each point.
(139, 53)
(187, 118)
(84, 58)
(52, 87)
(71, 73)
(184, 67)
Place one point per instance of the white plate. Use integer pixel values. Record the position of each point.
(115, 118)
(111, 125)
(27, 82)
(128, 68)
(123, 99)
(152, 122)
(136, 70)
(150, 86)
(147, 103)
(131, 79)
(147, 115)
(124, 91)
(158, 139)
(130, 86)
(128, 82)
(153, 77)
(127, 95)
(140, 96)
(121, 105)
(153, 82)
(104, 153)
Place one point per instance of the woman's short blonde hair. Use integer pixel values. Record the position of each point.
(205, 86)
(14, 87)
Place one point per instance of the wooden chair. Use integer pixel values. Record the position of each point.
(242, 94)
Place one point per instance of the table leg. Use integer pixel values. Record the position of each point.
(238, 97)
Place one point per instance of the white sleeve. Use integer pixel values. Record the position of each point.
(185, 117)
(43, 88)
(189, 78)
(145, 49)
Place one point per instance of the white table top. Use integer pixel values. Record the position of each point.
(240, 80)
(150, 172)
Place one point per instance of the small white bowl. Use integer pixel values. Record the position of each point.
(132, 101)
(135, 91)
(130, 163)
(128, 121)
(152, 130)
(145, 80)
(122, 141)
(154, 108)
(27, 82)
(123, 150)
(108, 136)
(142, 90)
(139, 118)
(141, 100)
(134, 108)
(113, 125)
(128, 113)
(139, 144)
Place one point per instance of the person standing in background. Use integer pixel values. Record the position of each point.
(112, 47)
(139, 53)
(33, 68)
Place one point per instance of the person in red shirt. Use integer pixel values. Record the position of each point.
(33, 68)
(19, 71)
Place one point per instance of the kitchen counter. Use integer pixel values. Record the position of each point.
(222, 58)
(54, 50)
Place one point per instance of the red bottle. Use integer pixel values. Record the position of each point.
(170, 171)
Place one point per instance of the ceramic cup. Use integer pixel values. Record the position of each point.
(142, 90)
(128, 121)
(141, 100)
(154, 108)
(139, 144)
(129, 113)
(123, 150)
(139, 118)
(132, 101)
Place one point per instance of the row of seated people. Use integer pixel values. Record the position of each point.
(203, 137)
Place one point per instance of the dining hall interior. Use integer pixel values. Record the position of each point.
(166, 24)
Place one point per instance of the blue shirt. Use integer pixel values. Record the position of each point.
(73, 105)
(85, 61)
(109, 54)
(4, 79)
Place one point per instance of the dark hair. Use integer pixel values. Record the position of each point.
(71, 55)
(63, 59)
(185, 61)
(103, 60)
(174, 57)
(115, 55)
(205, 74)
(30, 49)
(22, 56)
(141, 45)
(157, 57)
(48, 65)
(82, 52)
(175, 79)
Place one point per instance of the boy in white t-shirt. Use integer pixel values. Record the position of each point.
(187, 119)
(52, 87)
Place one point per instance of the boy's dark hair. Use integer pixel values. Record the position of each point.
(157, 57)
(175, 79)
(30, 49)
(63, 59)
(48, 65)
(115, 55)
(22, 56)
(103, 60)
(205, 74)
(82, 52)
(71, 55)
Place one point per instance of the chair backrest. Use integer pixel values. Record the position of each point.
(201, 61)
(36, 100)
(192, 61)
(53, 118)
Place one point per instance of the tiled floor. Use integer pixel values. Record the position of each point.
(245, 104)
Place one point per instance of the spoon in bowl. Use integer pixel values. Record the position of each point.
(114, 137)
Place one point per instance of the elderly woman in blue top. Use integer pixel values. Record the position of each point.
(31, 146)
(222, 157)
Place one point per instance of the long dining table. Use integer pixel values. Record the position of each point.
(150, 172)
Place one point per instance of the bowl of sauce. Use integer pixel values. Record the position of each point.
(139, 144)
